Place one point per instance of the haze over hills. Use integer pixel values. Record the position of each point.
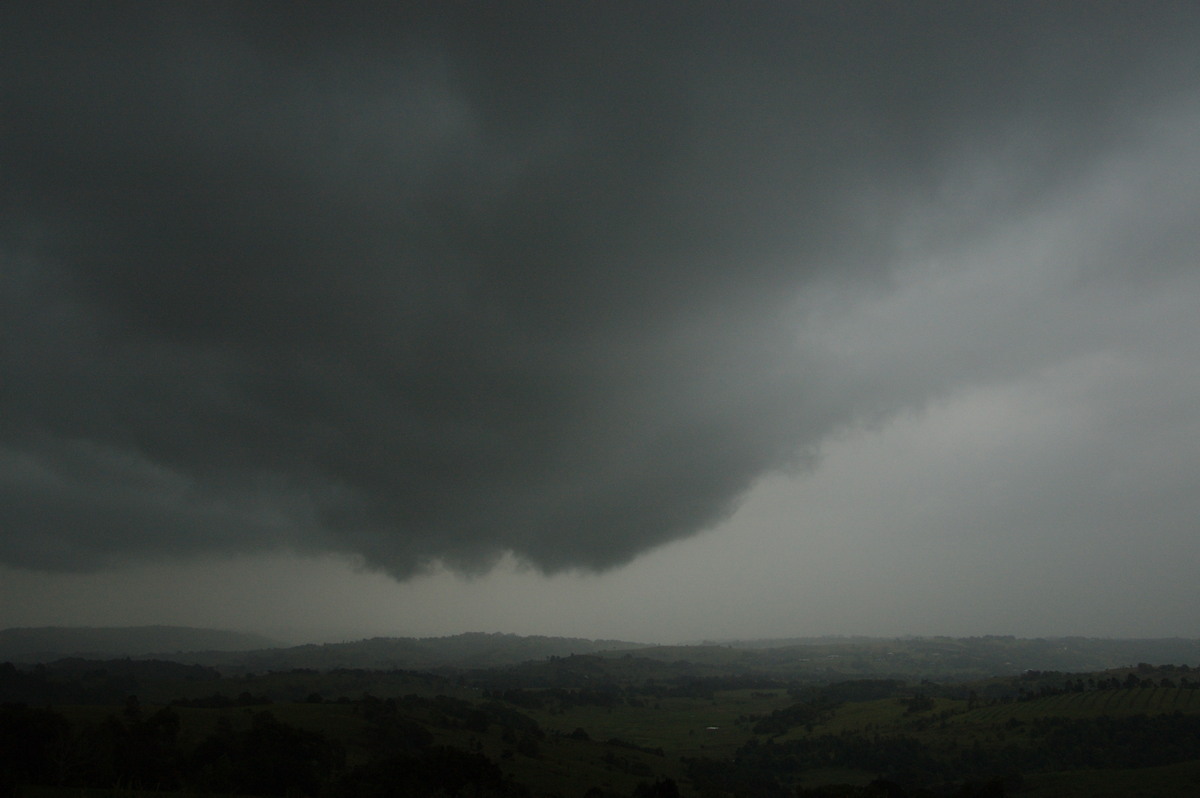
(816, 657)
(257, 652)
(463, 651)
(32, 644)
(935, 657)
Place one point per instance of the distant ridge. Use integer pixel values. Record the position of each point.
(823, 657)
(238, 651)
(47, 643)
(467, 651)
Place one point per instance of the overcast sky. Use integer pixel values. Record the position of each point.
(660, 321)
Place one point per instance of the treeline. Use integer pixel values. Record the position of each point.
(1131, 680)
(560, 699)
(557, 698)
(636, 673)
(222, 701)
(527, 692)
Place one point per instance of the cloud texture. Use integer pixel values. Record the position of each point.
(440, 282)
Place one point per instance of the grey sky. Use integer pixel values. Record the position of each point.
(697, 320)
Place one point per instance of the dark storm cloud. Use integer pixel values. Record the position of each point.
(446, 281)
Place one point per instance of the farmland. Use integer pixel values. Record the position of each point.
(597, 726)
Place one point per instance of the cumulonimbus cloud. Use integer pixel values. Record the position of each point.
(433, 284)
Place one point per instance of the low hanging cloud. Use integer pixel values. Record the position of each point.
(439, 283)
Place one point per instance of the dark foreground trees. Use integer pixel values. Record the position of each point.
(269, 758)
